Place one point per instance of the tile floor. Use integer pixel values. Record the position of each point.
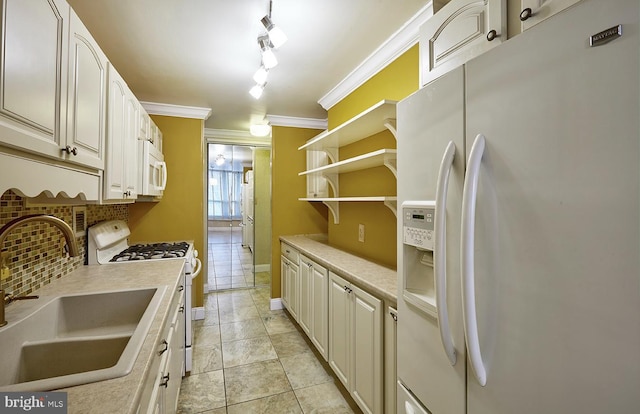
(249, 359)
(231, 264)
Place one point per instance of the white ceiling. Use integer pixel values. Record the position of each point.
(203, 53)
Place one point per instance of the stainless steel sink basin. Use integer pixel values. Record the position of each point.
(76, 339)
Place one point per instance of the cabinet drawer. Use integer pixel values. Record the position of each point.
(289, 252)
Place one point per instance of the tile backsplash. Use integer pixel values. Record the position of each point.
(35, 249)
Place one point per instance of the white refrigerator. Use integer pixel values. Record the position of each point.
(519, 225)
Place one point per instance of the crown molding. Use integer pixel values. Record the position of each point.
(154, 108)
(392, 48)
(232, 136)
(294, 122)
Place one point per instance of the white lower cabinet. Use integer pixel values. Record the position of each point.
(390, 358)
(356, 342)
(289, 279)
(314, 317)
(162, 387)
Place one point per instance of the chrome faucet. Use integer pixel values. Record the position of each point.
(6, 229)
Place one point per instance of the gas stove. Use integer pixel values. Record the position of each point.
(107, 243)
(152, 251)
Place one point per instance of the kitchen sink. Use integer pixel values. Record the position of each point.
(76, 339)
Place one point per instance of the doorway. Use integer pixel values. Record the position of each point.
(235, 227)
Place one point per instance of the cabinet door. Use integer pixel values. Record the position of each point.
(366, 379)
(316, 185)
(284, 286)
(306, 295)
(33, 75)
(176, 361)
(87, 97)
(114, 175)
(541, 10)
(458, 32)
(339, 328)
(319, 314)
(294, 294)
(390, 355)
(131, 161)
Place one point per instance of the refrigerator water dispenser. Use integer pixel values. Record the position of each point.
(417, 256)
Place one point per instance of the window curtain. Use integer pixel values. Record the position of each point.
(224, 195)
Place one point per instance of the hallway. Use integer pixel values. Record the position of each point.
(231, 263)
(249, 359)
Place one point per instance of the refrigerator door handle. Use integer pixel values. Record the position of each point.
(440, 251)
(469, 195)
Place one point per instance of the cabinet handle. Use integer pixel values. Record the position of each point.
(166, 347)
(394, 316)
(525, 14)
(180, 288)
(492, 35)
(347, 289)
(165, 381)
(181, 310)
(127, 193)
(69, 150)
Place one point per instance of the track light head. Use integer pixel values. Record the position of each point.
(276, 35)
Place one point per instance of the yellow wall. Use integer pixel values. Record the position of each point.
(180, 214)
(289, 215)
(395, 82)
(262, 205)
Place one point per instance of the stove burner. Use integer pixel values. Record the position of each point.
(152, 251)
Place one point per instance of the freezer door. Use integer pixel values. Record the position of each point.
(428, 121)
(556, 235)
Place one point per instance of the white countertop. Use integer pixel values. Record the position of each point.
(118, 395)
(378, 280)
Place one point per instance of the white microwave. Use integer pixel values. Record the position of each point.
(153, 170)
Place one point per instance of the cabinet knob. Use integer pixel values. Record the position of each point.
(180, 288)
(181, 310)
(70, 150)
(492, 35)
(525, 14)
(166, 347)
(165, 381)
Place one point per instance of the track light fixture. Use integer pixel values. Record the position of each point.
(257, 90)
(261, 75)
(276, 35)
(273, 39)
(268, 57)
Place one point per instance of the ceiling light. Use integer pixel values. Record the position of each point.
(268, 57)
(257, 90)
(261, 75)
(260, 130)
(276, 35)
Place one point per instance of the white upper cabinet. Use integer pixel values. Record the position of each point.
(33, 70)
(86, 114)
(120, 176)
(459, 31)
(535, 11)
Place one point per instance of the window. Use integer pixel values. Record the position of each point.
(224, 194)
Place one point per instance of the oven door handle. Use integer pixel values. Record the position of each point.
(197, 269)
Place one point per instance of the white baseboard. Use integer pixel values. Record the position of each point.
(197, 313)
(262, 268)
(276, 304)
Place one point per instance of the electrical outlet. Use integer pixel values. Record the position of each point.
(5, 272)
(361, 233)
